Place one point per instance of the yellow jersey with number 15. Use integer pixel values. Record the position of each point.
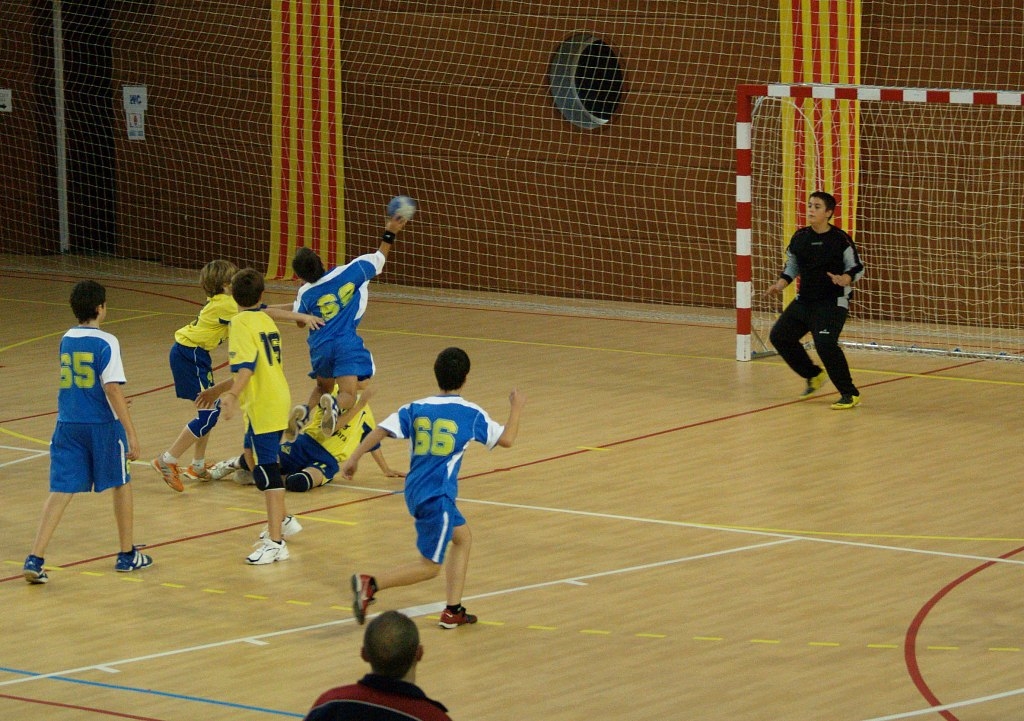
(254, 342)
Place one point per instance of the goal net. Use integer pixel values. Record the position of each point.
(930, 183)
(578, 151)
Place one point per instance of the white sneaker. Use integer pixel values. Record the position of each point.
(289, 527)
(268, 552)
(329, 419)
(296, 420)
(223, 469)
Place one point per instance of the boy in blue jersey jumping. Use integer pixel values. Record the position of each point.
(94, 439)
(440, 427)
(337, 352)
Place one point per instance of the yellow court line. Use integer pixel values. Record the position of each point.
(115, 308)
(652, 354)
(60, 333)
(23, 437)
(837, 534)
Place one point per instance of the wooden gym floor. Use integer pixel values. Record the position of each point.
(674, 535)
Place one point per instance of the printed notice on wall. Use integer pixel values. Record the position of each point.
(135, 104)
(5, 100)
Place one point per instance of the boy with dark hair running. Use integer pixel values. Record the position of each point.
(440, 427)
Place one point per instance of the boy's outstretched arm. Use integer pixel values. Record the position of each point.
(517, 399)
(369, 441)
(393, 227)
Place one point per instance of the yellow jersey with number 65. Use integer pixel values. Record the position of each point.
(254, 342)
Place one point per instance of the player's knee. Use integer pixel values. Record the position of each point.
(299, 482)
(827, 343)
(204, 421)
(268, 477)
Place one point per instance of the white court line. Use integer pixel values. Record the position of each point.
(949, 706)
(35, 455)
(412, 612)
(723, 529)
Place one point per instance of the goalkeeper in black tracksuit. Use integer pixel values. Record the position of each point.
(826, 261)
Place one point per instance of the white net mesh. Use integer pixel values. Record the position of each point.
(277, 123)
(941, 188)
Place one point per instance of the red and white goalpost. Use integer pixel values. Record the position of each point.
(931, 186)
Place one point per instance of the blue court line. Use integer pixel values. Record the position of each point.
(163, 694)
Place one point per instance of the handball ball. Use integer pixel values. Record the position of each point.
(402, 206)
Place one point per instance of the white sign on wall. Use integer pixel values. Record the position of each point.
(5, 100)
(135, 104)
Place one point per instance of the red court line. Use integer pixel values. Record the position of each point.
(103, 712)
(910, 641)
(217, 532)
(704, 422)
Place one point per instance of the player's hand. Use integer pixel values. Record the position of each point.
(228, 405)
(773, 289)
(392, 473)
(206, 398)
(842, 280)
(134, 452)
(312, 321)
(348, 471)
(517, 399)
(395, 224)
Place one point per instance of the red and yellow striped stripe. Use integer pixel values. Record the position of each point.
(307, 186)
(820, 43)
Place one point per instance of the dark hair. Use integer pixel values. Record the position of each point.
(827, 198)
(307, 265)
(86, 298)
(451, 369)
(247, 288)
(390, 644)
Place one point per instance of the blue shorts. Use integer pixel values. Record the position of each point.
(265, 446)
(329, 362)
(88, 457)
(436, 520)
(304, 452)
(192, 369)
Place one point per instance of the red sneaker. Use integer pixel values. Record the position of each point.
(362, 595)
(454, 619)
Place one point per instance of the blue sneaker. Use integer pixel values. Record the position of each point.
(34, 571)
(132, 561)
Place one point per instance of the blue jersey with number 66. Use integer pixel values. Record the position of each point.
(440, 428)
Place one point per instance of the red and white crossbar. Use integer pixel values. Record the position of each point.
(745, 95)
